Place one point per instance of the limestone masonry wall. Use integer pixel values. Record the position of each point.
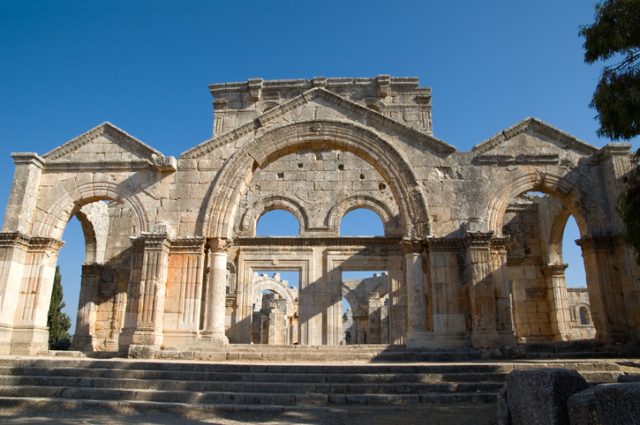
(471, 247)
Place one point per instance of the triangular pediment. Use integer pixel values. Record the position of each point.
(104, 143)
(532, 137)
(320, 103)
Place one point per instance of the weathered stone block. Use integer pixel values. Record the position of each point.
(539, 396)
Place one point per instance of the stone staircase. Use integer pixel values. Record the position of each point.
(200, 387)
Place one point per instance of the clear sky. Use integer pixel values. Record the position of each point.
(67, 66)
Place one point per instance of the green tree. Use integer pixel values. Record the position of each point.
(614, 38)
(57, 321)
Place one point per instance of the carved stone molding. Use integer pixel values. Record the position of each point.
(597, 243)
(14, 239)
(45, 244)
(412, 246)
(478, 239)
(188, 245)
(445, 244)
(554, 270)
(219, 244)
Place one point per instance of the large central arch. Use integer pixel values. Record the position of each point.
(236, 175)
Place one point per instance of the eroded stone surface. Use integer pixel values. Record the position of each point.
(471, 258)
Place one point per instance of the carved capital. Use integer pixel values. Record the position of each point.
(164, 164)
(50, 245)
(554, 270)
(153, 240)
(220, 104)
(219, 244)
(27, 158)
(596, 243)
(412, 246)
(499, 243)
(478, 239)
(14, 239)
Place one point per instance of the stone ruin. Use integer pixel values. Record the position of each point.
(473, 259)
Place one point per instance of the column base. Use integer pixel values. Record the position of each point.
(210, 339)
(140, 351)
(485, 338)
(507, 339)
(5, 339)
(82, 343)
(29, 341)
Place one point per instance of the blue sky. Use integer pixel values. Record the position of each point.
(68, 66)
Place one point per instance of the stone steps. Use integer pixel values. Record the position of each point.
(173, 385)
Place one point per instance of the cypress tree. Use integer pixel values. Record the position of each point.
(57, 321)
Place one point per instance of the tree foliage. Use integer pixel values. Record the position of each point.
(629, 207)
(57, 321)
(615, 37)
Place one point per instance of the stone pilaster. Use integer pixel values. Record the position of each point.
(84, 337)
(481, 289)
(13, 253)
(30, 334)
(147, 297)
(603, 284)
(24, 192)
(557, 296)
(417, 336)
(213, 333)
(504, 295)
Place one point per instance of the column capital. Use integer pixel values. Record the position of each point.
(15, 239)
(153, 240)
(27, 158)
(554, 270)
(45, 244)
(412, 246)
(597, 243)
(219, 244)
(478, 239)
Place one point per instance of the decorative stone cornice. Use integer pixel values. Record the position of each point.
(14, 239)
(153, 240)
(189, 245)
(554, 270)
(45, 244)
(219, 244)
(615, 149)
(597, 243)
(478, 239)
(499, 243)
(319, 241)
(412, 246)
(27, 158)
(445, 244)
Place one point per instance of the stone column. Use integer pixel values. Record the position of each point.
(13, 253)
(24, 192)
(147, 297)
(30, 332)
(213, 333)
(504, 296)
(605, 295)
(557, 296)
(84, 337)
(416, 300)
(481, 290)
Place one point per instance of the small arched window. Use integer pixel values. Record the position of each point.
(361, 222)
(584, 315)
(278, 223)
